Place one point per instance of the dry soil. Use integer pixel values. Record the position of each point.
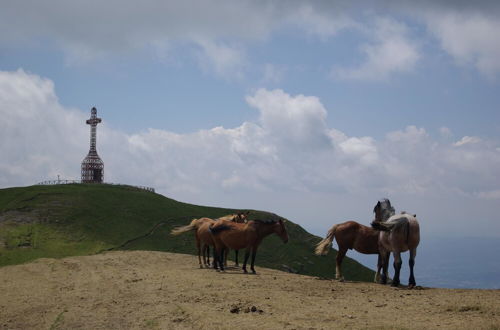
(155, 290)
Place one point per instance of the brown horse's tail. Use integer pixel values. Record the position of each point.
(324, 246)
(179, 230)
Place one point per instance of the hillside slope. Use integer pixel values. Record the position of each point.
(158, 290)
(68, 220)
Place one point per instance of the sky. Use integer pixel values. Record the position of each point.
(310, 109)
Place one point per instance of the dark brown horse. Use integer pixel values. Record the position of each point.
(232, 235)
(202, 234)
(352, 235)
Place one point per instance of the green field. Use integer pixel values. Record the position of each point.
(83, 219)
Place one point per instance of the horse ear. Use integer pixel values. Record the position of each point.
(376, 207)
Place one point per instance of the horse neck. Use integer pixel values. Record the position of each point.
(264, 229)
(383, 215)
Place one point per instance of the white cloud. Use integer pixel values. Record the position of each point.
(32, 129)
(298, 120)
(90, 30)
(289, 151)
(445, 132)
(391, 52)
(467, 140)
(225, 61)
(290, 146)
(323, 22)
(493, 194)
(273, 73)
(471, 38)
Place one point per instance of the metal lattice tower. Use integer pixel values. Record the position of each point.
(92, 165)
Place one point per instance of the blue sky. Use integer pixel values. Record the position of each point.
(311, 109)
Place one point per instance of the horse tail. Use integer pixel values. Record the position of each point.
(407, 232)
(217, 229)
(382, 226)
(323, 247)
(179, 230)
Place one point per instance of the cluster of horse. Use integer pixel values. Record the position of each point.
(234, 232)
(389, 232)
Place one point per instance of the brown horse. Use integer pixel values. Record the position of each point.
(202, 234)
(399, 233)
(240, 217)
(352, 235)
(200, 228)
(231, 235)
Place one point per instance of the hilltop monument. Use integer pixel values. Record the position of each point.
(92, 165)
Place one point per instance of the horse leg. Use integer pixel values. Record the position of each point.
(198, 245)
(222, 262)
(214, 259)
(203, 255)
(397, 268)
(236, 258)
(340, 256)
(384, 256)
(379, 267)
(411, 281)
(245, 259)
(254, 253)
(206, 255)
(218, 260)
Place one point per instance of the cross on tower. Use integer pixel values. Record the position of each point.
(92, 165)
(93, 121)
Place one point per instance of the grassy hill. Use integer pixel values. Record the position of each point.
(78, 219)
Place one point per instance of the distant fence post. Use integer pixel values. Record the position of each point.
(55, 182)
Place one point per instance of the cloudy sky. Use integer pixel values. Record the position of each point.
(310, 109)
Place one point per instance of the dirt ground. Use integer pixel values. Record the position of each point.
(155, 290)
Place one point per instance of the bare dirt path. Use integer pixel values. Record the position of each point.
(155, 290)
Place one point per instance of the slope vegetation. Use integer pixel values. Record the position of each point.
(77, 219)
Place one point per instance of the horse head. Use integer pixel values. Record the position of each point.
(280, 230)
(242, 217)
(383, 210)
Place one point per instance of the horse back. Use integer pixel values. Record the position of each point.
(404, 235)
(236, 235)
(353, 235)
(203, 233)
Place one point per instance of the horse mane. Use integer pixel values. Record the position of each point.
(265, 221)
(219, 228)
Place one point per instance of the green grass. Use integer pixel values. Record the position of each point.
(78, 219)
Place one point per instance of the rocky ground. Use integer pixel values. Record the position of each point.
(155, 290)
